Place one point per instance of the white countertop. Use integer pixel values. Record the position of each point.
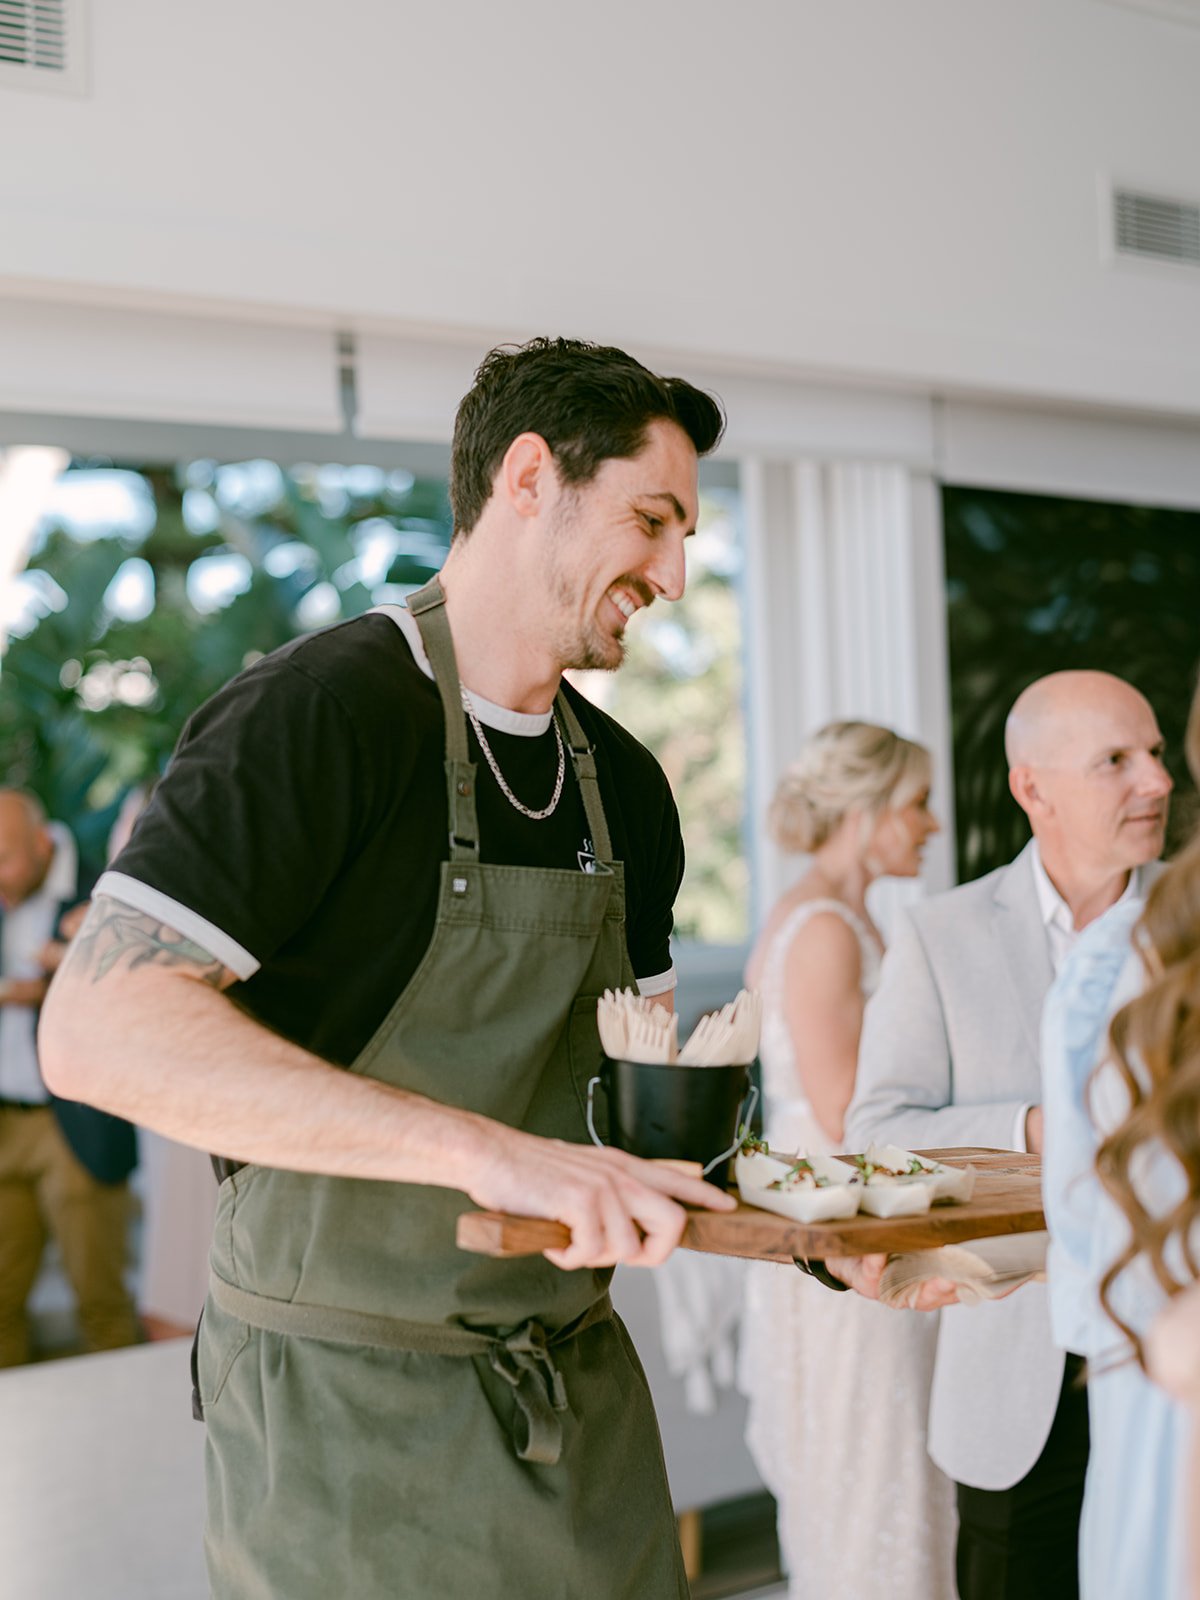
(102, 1478)
(102, 1466)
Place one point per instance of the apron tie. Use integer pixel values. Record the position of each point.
(524, 1361)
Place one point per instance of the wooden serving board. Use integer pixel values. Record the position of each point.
(1007, 1199)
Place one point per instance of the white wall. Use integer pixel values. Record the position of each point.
(899, 191)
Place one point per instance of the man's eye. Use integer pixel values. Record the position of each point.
(653, 524)
(1117, 759)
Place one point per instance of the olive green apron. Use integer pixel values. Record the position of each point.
(391, 1417)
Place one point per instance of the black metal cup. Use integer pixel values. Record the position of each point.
(675, 1112)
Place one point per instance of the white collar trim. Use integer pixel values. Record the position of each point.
(1055, 909)
(528, 724)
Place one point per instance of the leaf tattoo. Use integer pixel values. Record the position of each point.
(114, 935)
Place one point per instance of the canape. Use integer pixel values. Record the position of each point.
(947, 1183)
(807, 1188)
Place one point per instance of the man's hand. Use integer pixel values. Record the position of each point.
(71, 921)
(23, 991)
(1034, 1129)
(50, 956)
(618, 1207)
(863, 1274)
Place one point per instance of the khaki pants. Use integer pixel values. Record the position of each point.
(46, 1193)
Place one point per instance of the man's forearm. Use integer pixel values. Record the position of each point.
(135, 1024)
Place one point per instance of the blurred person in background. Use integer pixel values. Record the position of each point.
(950, 1057)
(1173, 1360)
(839, 1387)
(1121, 1047)
(63, 1166)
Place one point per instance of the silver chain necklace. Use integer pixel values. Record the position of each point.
(546, 811)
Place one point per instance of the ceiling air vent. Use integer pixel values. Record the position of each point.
(1176, 10)
(1155, 229)
(42, 45)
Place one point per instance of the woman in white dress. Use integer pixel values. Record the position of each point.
(839, 1385)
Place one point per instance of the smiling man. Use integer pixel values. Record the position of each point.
(355, 945)
(950, 1056)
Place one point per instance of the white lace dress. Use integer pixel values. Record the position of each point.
(839, 1386)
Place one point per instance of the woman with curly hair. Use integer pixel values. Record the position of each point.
(1121, 1064)
(1173, 1359)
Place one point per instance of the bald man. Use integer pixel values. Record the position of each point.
(62, 1166)
(949, 1056)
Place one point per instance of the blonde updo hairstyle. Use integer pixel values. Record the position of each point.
(846, 767)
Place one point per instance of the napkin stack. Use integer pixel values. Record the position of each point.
(981, 1270)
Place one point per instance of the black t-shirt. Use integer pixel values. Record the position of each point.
(303, 822)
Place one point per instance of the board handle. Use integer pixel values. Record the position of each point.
(500, 1233)
(496, 1233)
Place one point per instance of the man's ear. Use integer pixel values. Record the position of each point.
(526, 474)
(1023, 786)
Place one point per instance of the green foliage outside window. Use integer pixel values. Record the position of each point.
(1036, 584)
(225, 563)
(237, 560)
(680, 693)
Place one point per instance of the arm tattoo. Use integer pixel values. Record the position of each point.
(116, 935)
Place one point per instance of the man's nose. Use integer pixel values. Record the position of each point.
(1155, 779)
(666, 571)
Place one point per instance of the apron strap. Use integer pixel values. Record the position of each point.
(522, 1358)
(428, 606)
(583, 759)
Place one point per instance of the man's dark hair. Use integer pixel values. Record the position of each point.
(591, 403)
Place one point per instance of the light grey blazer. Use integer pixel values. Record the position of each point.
(949, 1054)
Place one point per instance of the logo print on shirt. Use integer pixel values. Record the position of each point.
(586, 857)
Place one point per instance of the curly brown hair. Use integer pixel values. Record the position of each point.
(1154, 1041)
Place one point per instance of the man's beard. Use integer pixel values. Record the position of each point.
(592, 651)
(589, 646)
(584, 646)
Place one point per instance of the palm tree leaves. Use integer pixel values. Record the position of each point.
(92, 703)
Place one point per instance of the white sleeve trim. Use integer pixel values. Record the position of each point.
(663, 983)
(132, 892)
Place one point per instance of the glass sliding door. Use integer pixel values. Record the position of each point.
(1034, 584)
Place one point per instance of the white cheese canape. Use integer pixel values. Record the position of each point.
(755, 1166)
(948, 1183)
(807, 1189)
(892, 1189)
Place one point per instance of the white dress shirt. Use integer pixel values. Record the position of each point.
(26, 929)
(1061, 934)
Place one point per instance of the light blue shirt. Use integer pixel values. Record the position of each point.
(1133, 1530)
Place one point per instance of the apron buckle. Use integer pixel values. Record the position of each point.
(524, 1361)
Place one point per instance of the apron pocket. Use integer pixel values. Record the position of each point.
(586, 1057)
(222, 1340)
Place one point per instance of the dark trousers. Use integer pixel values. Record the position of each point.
(1023, 1543)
